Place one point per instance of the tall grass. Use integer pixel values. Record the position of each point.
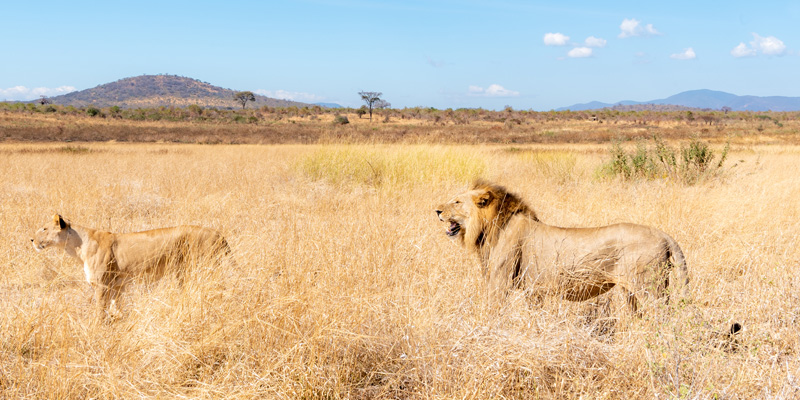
(391, 167)
(558, 164)
(343, 291)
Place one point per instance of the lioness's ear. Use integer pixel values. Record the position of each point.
(58, 220)
(484, 199)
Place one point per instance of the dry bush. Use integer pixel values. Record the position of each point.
(345, 289)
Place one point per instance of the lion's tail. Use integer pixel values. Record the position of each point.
(680, 272)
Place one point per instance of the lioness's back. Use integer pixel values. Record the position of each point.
(157, 245)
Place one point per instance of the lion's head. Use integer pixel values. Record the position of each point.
(53, 233)
(477, 215)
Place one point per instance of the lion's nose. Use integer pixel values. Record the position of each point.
(438, 214)
(31, 240)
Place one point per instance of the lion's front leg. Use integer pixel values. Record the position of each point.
(503, 271)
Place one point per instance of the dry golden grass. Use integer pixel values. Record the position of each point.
(346, 287)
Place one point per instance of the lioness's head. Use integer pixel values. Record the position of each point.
(483, 210)
(53, 233)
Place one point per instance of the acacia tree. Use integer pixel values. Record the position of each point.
(373, 100)
(244, 97)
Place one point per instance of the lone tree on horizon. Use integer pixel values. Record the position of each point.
(244, 97)
(373, 100)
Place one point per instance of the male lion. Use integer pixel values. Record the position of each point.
(111, 260)
(517, 250)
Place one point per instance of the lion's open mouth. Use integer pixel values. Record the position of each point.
(453, 229)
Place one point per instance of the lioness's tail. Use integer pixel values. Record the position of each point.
(227, 252)
(224, 246)
(680, 283)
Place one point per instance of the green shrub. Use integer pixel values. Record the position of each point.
(694, 162)
(74, 149)
(92, 111)
(618, 165)
(340, 120)
(195, 109)
(642, 163)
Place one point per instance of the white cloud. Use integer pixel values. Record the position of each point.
(633, 27)
(493, 90)
(580, 52)
(22, 93)
(293, 96)
(769, 45)
(742, 51)
(555, 39)
(687, 54)
(592, 41)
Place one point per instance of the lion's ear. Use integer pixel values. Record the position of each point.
(484, 199)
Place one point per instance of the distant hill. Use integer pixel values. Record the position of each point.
(328, 105)
(654, 107)
(162, 90)
(705, 98)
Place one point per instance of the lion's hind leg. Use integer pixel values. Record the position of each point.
(632, 301)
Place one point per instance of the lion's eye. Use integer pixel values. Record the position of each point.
(457, 202)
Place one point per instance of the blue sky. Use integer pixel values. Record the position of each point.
(443, 54)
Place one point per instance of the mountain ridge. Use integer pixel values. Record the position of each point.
(705, 98)
(162, 90)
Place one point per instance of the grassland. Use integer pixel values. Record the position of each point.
(291, 125)
(346, 287)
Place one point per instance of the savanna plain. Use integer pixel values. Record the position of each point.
(345, 285)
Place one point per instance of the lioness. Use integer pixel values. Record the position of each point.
(518, 250)
(111, 260)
